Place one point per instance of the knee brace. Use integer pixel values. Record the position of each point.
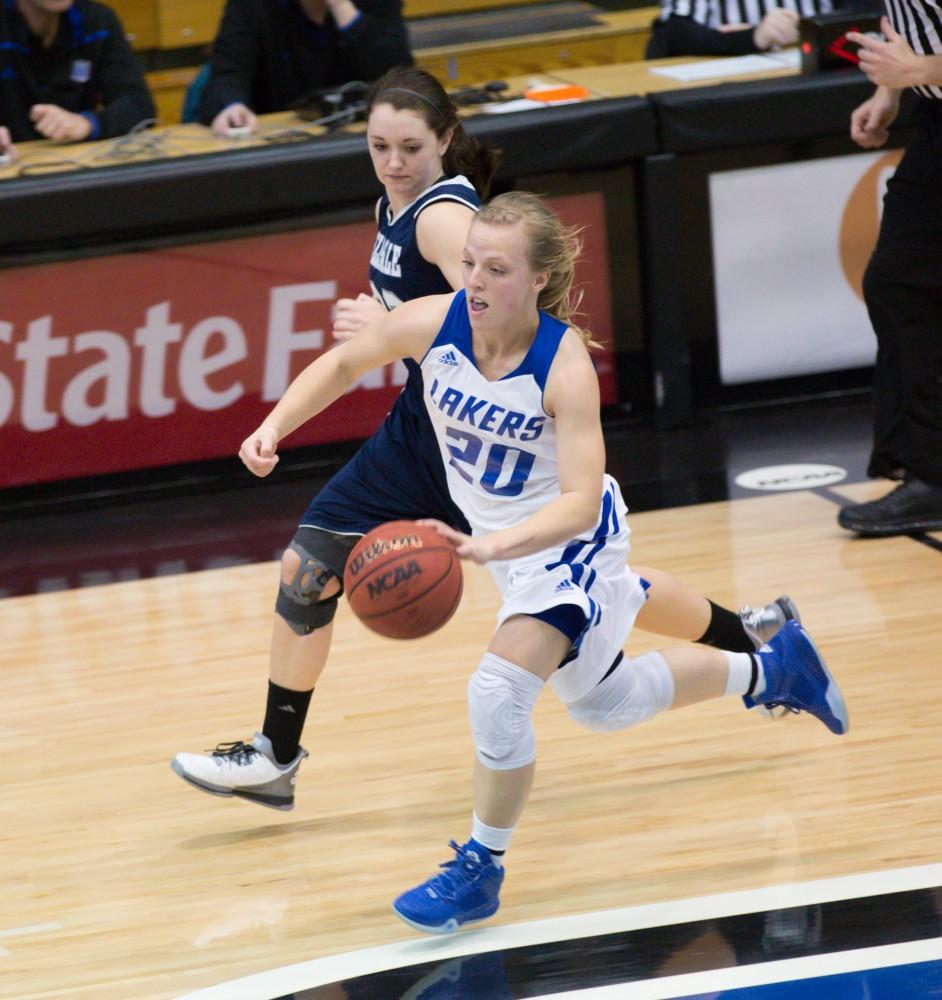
(634, 692)
(323, 556)
(501, 697)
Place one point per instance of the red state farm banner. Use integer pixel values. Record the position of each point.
(158, 357)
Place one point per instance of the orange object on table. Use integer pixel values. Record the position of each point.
(566, 92)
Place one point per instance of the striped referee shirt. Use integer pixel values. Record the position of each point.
(920, 23)
(719, 13)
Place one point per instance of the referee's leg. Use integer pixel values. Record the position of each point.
(903, 292)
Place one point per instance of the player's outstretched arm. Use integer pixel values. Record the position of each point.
(406, 332)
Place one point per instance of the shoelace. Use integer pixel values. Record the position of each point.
(240, 751)
(462, 869)
(781, 704)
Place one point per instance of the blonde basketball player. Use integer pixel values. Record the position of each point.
(513, 398)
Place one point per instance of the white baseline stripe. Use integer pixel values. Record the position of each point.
(320, 971)
(763, 973)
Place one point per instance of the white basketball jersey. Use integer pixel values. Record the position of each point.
(497, 441)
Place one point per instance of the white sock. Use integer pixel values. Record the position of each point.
(494, 838)
(760, 675)
(740, 674)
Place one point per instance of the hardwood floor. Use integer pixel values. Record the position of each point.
(121, 881)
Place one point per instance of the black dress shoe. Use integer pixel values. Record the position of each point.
(913, 506)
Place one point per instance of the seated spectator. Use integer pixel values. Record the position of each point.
(67, 73)
(269, 53)
(728, 27)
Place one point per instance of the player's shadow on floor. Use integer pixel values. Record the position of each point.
(259, 828)
(273, 831)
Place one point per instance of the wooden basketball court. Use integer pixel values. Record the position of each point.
(123, 882)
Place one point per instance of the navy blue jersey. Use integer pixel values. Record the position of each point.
(398, 472)
(398, 272)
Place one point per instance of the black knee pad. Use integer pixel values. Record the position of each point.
(323, 556)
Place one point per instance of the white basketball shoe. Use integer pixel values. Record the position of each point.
(244, 770)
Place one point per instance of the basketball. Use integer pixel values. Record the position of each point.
(403, 580)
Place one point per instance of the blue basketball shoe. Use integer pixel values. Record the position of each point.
(464, 892)
(797, 679)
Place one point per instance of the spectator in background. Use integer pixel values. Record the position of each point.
(269, 53)
(728, 27)
(67, 73)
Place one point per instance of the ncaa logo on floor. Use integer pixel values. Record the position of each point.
(790, 477)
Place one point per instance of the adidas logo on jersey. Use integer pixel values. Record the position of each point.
(448, 358)
(562, 585)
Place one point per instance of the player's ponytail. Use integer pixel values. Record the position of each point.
(407, 88)
(478, 161)
(551, 247)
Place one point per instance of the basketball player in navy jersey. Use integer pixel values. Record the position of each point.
(514, 401)
(432, 175)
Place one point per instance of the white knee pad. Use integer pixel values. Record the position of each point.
(501, 697)
(635, 692)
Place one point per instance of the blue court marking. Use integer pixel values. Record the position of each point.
(922, 980)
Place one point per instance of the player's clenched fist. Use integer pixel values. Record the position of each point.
(353, 315)
(258, 450)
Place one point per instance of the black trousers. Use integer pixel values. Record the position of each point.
(903, 291)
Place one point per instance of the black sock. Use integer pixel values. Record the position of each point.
(726, 631)
(754, 679)
(284, 720)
